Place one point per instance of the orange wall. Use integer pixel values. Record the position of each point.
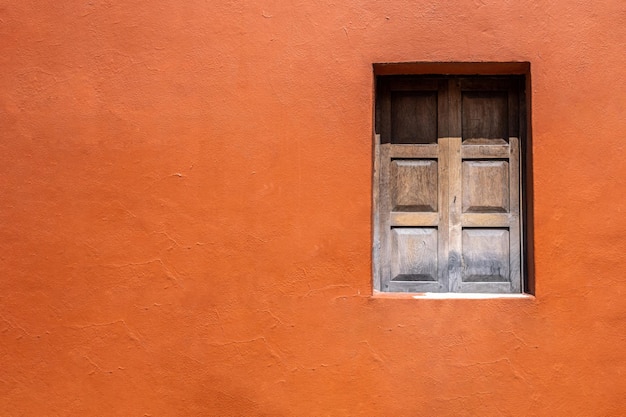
(185, 213)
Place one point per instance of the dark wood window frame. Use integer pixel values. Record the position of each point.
(452, 175)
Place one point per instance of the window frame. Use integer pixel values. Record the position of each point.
(476, 71)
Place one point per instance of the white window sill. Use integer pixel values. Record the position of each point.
(448, 295)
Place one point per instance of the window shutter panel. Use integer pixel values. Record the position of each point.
(487, 189)
(413, 254)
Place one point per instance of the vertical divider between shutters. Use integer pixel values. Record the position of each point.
(455, 195)
(454, 228)
(443, 228)
(443, 162)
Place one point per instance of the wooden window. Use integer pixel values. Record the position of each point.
(448, 200)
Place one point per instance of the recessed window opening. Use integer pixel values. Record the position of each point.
(451, 171)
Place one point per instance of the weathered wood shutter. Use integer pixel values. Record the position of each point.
(447, 205)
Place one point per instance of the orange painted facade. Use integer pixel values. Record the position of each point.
(185, 213)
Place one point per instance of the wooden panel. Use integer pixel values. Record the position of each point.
(414, 151)
(444, 212)
(413, 117)
(485, 255)
(485, 117)
(408, 83)
(384, 205)
(486, 186)
(454, 216)
(454, 187)
(485, 83)
(383, 111)
(513, 111)
(414, 185)
(488, 219)
(414, 254)
(484, 151)
(486, 287)
(415, 286)
(413, 219)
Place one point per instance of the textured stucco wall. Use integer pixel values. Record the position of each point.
(185, 213)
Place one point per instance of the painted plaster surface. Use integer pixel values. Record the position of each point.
(185, 210)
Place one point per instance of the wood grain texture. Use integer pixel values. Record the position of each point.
(485, 116)
(486, 255)
(484, 151)
(515, 244)
(412, 219)
(414, 254)
(414, 185)
(487, 219)
(444, 192)
(413, 117)
(486, 186)
(455, 192)
(384, 195)
(429, 151)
